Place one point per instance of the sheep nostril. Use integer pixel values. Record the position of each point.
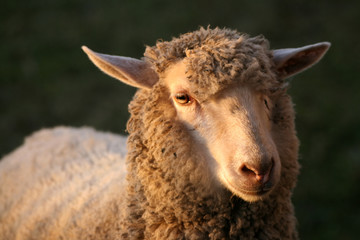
(247, 170)
(259, 174)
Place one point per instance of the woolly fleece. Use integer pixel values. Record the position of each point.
(169, 192)
(63, 183)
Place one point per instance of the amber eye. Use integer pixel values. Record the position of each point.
(182, 98)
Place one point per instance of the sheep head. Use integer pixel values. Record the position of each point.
(234, 126)
(227, 99)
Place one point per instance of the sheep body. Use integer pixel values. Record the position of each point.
(63, 183)
(212, 105)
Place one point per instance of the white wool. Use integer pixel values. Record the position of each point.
(58, 172)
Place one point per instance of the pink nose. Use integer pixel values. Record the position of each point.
(257, 173)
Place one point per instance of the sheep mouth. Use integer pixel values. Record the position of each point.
(250, 194)
(256, 191)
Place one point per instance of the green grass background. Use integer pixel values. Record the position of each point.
(46, 80)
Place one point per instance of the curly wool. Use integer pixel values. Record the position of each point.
(63, 183)
(170, 191)
(216, 58)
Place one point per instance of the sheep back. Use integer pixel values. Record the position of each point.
(63, 183)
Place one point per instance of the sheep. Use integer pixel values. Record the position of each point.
(211, 152)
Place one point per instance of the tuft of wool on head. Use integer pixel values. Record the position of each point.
(216, 58)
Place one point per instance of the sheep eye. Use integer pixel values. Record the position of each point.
(182, 98)
(266, 104)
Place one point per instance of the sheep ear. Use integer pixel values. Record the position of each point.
(134, 72)
(291, 61)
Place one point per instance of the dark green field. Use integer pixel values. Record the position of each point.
(46, 80)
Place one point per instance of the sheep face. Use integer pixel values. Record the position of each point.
(234, 126)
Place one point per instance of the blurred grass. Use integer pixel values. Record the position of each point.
(46, 80)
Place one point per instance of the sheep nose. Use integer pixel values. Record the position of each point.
(257, 173)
